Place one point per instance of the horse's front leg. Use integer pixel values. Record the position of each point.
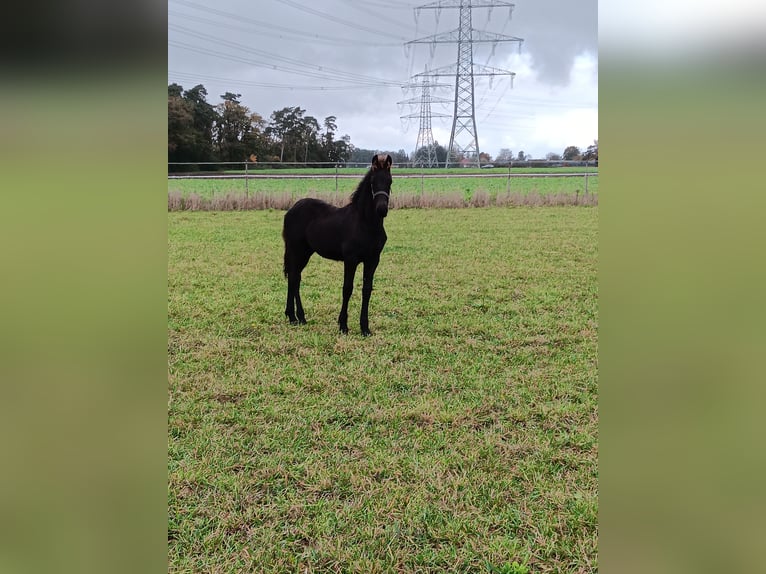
(349, 270)
(369, 271)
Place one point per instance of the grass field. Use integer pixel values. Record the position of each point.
(311, 185)
(460, 437)
(417, 170)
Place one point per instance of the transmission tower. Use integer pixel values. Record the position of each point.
(464, 70)
(425, 149)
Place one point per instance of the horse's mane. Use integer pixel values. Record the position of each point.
(362, 190)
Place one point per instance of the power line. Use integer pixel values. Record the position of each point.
(378, 16)
(256, 63)
(392, 4)
(336, 20)
(295, 35)
(320, 71)
(496, 103)
(553, 103)
(242, 18)
(266, 85)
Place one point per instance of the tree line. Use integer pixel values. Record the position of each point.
(200, 132)
(573, 153)
(505, 155)
(570, 153)
(230, 132)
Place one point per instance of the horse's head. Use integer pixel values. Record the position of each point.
(380, 183)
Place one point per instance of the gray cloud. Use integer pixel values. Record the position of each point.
(330, 54)
(555, 32)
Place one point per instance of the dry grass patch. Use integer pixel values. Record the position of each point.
(177, 201)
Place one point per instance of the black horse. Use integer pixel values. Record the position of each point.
(353, 234)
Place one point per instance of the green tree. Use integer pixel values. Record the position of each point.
(399, 157)
(310, 139)
(456, 156)
(361, 155)
(181, 135)
(420, 156)
(256, 141)
(175, 90)
(204, 119)
(441, 153)
(342, 149)
(229, 131)
(232, 128)
(591, 153)
(288, 131)
(330, 149)
(571, 153)
(190, 125)
(330, 125)
(504, 156)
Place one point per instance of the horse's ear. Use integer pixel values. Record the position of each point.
(378, 161)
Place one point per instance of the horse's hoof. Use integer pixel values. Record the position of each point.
(344, 330)
(366, 333)
(302, 321)
(294, 322)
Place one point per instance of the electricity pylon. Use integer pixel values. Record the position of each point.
(464, 70)
(425, 149)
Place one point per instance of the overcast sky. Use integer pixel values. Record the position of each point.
(348, 58)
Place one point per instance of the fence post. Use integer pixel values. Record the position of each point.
(336, 179)
(247, 186)
(586, 177)
(508, 181)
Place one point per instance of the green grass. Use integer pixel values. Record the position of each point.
(308, 185)
(460, 437)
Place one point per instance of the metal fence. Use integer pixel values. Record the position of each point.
(251, 177)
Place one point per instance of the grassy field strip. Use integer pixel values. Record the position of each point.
(254, 176)
(313, 185)
(438, 172)
(461, 437)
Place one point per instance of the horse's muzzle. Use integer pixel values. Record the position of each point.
(380, 199)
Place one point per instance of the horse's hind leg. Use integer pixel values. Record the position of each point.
(290, 306)
(298, 305)
(294, 264)
(290, 274)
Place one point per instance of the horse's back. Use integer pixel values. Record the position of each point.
(311, 207)
(302, 213)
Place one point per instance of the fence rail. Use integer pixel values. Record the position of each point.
(356, 176)
(531, 163)
(259, 177)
